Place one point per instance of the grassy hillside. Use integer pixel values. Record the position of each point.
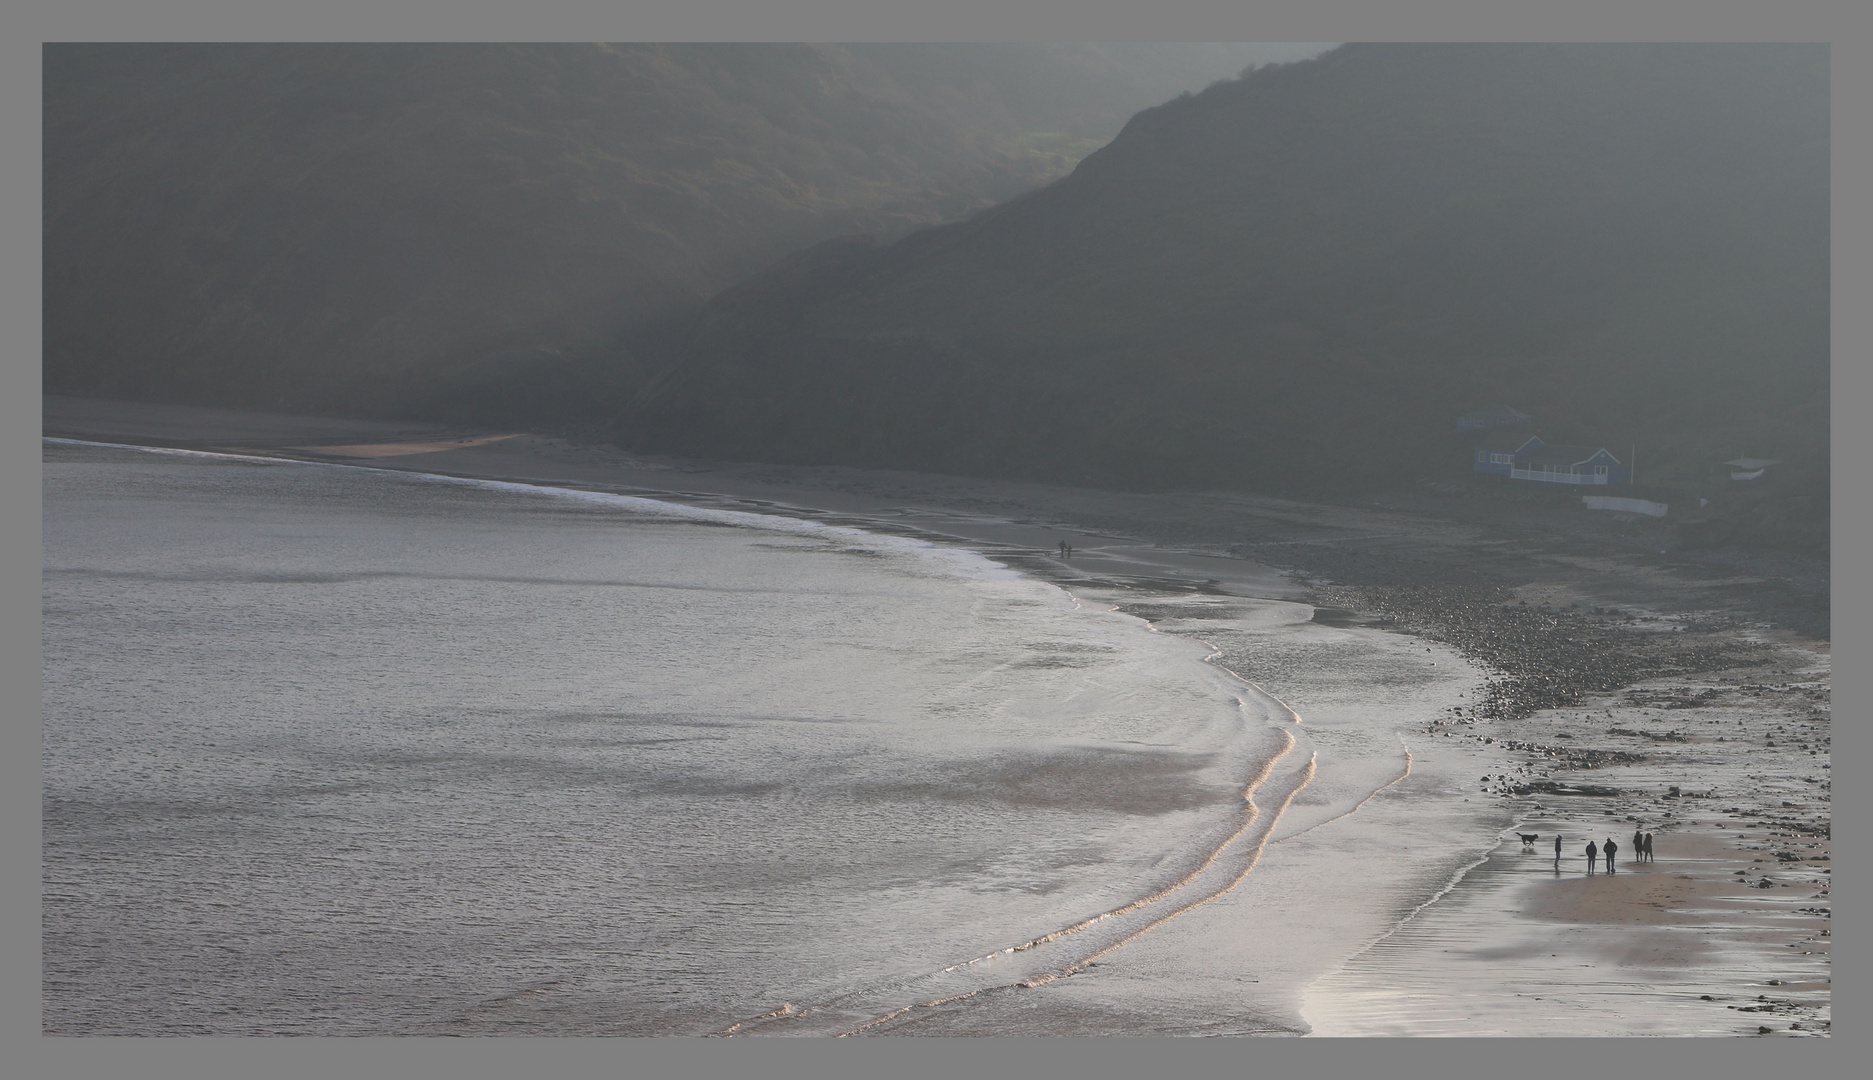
(1297, 280)
(391, 228)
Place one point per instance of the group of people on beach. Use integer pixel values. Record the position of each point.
(1641, 846)
(1066, 550)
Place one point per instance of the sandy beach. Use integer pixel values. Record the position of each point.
(1594, 681)
(1725, 932)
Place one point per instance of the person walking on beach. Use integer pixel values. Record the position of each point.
(1645, 849)
(1638, 843)
(1557, 847)
(1611, 847)
(1593, 854)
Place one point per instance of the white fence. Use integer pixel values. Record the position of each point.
(1558, 477)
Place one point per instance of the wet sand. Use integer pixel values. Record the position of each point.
(1725, 932)
(1605, 667)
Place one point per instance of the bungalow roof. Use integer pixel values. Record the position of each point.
(1503, 441)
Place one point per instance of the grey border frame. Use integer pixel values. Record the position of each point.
(848, 20)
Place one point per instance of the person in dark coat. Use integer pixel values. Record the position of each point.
(1638, 842)
(1647, 847)
(1593, 855)
(1557, 847)
(1610, 848)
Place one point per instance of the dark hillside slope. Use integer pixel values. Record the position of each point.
(382, 227)
(1298, 279)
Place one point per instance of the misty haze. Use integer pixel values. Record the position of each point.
(936, 539)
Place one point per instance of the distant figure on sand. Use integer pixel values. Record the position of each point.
(1557, 847)
(1063, 549)
(1611, 847)
(1593, 855)
(1638, 842)
(1645, 848)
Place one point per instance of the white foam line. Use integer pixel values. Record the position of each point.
(1355, 808)
(1249, 819)
(980, 565)
(198, 453)
(1304, 775)
(1261, 775)
(1454, 881)
(1251, 815)
(1216, 651)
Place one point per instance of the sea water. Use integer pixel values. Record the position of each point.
(332, 750)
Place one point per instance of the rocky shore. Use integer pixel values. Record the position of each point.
(1542, 656)
(1706, 723)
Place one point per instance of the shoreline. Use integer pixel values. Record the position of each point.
(1060, 951)
(1381, 569)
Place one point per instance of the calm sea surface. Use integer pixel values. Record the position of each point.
(337, 751)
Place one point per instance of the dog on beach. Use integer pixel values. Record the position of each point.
(1528, 838)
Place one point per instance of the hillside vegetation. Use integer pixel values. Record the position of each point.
(394, 228)
(1296, 281)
